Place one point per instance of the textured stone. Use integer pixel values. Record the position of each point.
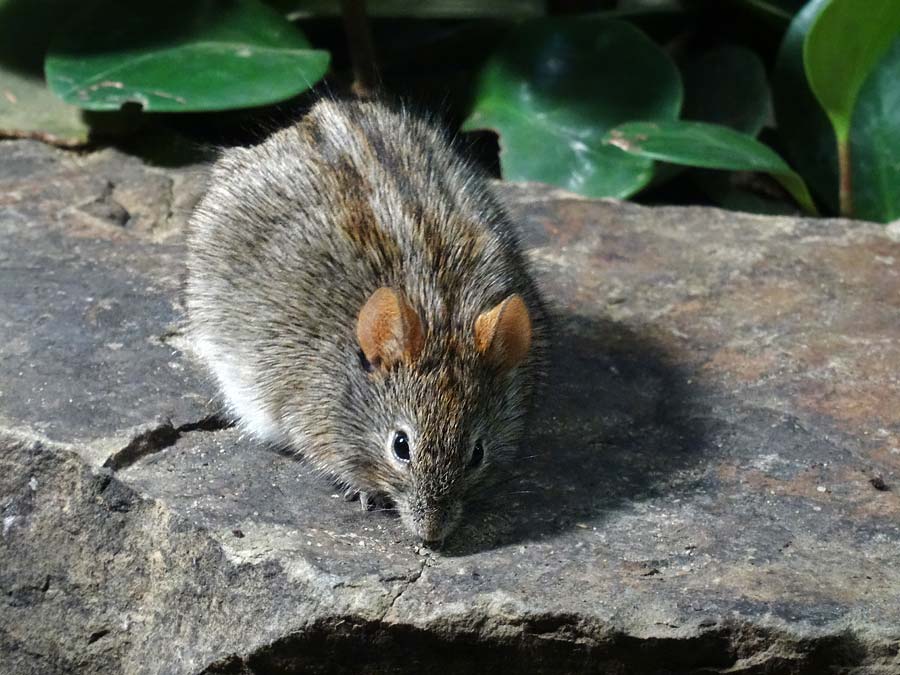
(88, 301)
(711, 483)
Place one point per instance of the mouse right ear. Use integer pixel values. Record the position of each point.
(503, 334)
(389, 330)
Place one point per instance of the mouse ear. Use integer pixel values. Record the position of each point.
(503, 334)
(389, 329)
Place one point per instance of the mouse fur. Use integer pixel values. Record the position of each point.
(342, 276)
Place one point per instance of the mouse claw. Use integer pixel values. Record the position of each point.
(375, 501)
(368, 501)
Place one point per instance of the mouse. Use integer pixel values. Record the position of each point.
(360, 295)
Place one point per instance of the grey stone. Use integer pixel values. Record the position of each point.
(88, 308)
(696, 493)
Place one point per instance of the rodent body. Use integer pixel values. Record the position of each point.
(360, 295)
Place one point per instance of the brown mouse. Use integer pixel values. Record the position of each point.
(360, 295)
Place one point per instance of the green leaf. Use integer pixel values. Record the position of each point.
(875, 142)
(842, 46)
(181, 55)
(844, 43)
(803, 126)
(809, 136)
(708, 146)
(554, 89)
(727, 86)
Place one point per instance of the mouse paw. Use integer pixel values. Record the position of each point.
(369, 501)
(375, 501)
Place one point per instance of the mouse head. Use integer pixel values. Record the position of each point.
(449, 404)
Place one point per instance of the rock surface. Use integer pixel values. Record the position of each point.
(711, 484)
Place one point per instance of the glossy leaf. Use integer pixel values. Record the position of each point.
(727, 86)
(803, 126)
(846, 40)
(809, 136)
(842, 46)
(174, 55)
(875, 142)
(554, 89)
(707, 146)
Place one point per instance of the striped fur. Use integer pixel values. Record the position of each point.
(290, 241)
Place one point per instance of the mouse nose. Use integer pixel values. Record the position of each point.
(433, 525)
(434, 519)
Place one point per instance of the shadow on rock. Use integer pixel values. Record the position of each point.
(616, 422)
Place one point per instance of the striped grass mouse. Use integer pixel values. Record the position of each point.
(359, 294)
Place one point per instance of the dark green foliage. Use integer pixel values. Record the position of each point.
(553, 90)
(727, 85)
(816, 82)
(178, 56)
(708, 146)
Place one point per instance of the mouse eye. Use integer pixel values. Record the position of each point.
(364, 362)
(477, 454)
(401, 446)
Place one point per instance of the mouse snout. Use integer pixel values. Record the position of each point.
(434, 524)
(433, 520)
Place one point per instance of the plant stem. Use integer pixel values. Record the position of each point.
(362, 52)
(846, 177)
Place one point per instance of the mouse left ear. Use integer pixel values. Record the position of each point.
(503, 334)
(388, 329)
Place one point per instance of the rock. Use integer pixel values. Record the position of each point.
(90, 308)
(698, 492)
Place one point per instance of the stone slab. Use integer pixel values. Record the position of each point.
(711, 483)
(89, 298)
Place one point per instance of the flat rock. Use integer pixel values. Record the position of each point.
(89, 299)
(710, 484)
